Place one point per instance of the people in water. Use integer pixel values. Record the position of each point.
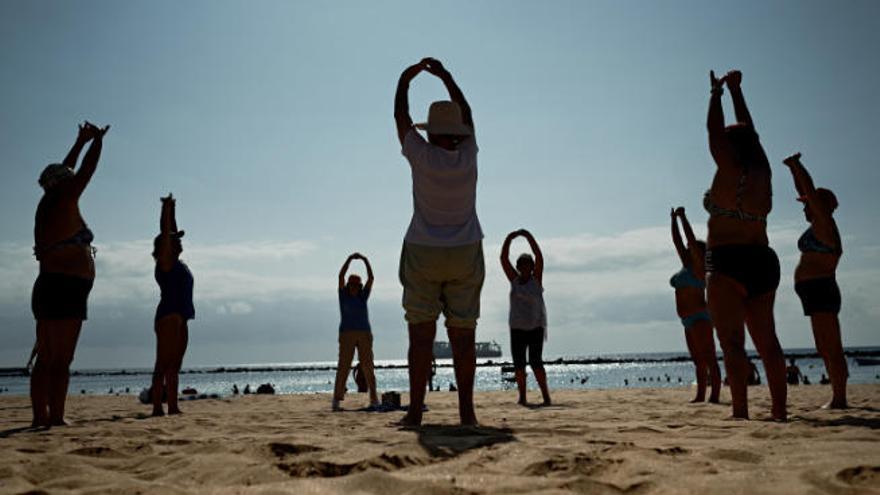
(690, 303)
(175, 308)
(814, 278)
(793, 375)
(441, 262)
(62, 246)
(528, 314)
(743, 269)
(354, 330)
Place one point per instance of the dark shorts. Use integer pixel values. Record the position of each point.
(820, 295)
(533, 340)
(60, 297)
(754, 267)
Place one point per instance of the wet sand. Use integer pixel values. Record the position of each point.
(594, 441)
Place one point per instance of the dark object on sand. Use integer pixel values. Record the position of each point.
(391, 400)
(189, 391)
(266, 389)
(146, 395)
(867, 362)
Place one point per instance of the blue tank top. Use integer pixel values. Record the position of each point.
(176, 286)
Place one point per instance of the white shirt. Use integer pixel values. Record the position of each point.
(444, 192)
(527, 310)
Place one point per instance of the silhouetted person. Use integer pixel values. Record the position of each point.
(528, 314)
(690, 303)
(815, 277)
(793, 375)
(441, 263)
(754, 377)
(360, 379)
(824, 380)
(433, 374)
(175, 308)
(234, 389)
(743, 269)
(62, 245)
(354, 330)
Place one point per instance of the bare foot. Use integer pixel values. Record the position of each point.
(698, 400)
(522, 402)
(836, 404)
(714, 400)
(157, 413)
(547, 402)
(175, 411)
(59, 422)
(470, 420)
(408, 422)
(40, 423)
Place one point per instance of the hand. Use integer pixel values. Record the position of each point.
(168, 199)
(680, 211)
(524, 233)
(717, 84)
(356, 256)
(434, 66)
(90, 131)
(792, 160)
(672, 212)
(734, 79)
(413, 70)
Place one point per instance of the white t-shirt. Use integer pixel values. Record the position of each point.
(444, 192)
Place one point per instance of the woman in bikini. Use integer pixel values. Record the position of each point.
(175, 308)
(743, 269)
(528, 315)
(814, 278)
(690, 302)
(62, 245)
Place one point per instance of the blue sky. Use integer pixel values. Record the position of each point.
(272, 124)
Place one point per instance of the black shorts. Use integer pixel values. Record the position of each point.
(533, 340)
(755, 267)
(58, 296)
(819, 295)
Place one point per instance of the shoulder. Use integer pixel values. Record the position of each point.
(413, 142)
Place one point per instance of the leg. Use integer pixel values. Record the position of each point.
(60, 346)
(166, 355)
(826, 331)
(711, 360)
(365, 356)
(699, 366)
(536, 361)
(762, 328)
(172, 379)
(347, 342)
(518, 353)
(464, 360)
(727, 308)
(421, 343)
(40, 379)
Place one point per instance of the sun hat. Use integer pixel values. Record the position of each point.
(53, 174)
(825, 196)
(444, 117)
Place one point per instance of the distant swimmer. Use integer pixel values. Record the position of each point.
(528, 314)
(743, 269)
(793, 373)
(815, 279)
(63, 247)
(690, 303)
(354, 331)
(175, 308)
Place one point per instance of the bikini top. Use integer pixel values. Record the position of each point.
(809, 243)
(716, 210)
(83, 237)
(686, 278)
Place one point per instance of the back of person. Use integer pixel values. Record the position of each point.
(176, 286)
(353, 312)
(527, 309)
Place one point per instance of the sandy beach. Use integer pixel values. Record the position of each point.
(602, 441)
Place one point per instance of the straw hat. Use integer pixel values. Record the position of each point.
(444, 117)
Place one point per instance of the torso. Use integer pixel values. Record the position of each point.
(58, 218)
(176, 288)
(689, 299)
(527, 309)
(752, 198)
(816, 264)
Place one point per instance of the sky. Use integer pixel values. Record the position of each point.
(271, 122)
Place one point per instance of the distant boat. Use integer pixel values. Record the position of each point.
(867, 362)
(442, 350)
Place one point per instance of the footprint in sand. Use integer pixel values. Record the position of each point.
(102, 452)
(568, 465)
(324, 469)
(868, 476)
(282, 450)
(172, 441)
(736, 455)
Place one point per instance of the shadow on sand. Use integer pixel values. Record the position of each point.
(450, 441)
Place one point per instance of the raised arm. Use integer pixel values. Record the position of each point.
(401, 100)
(686, 226)
(718, 144)
(455, 94)
(344, 270)
(167, 225)
(734, 79)
(676, 238)
(505, 257)
(802, 180)
(83, 136)
(369, 284)
(821, 219)
(90, 162)
(168, 220)
(539, 256)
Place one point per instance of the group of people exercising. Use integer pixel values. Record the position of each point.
(743, 271)
(442, 269)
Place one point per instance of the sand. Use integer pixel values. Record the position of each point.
(596, 441)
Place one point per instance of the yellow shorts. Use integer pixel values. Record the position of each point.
(442, 279)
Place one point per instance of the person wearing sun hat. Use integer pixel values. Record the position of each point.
(175, 308)
(815, 276)
(62, 245)
(441, 262)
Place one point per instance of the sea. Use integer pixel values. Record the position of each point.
(570, 372)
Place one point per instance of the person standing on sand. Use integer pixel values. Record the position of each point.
(62, 245)
(743, 269)
(528, 314)
(690, 302)
(815, 277)
(354, 331)
(174, 311)
(441, 262)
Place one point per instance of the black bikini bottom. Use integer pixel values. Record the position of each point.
(819, 295)
(755, 267)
